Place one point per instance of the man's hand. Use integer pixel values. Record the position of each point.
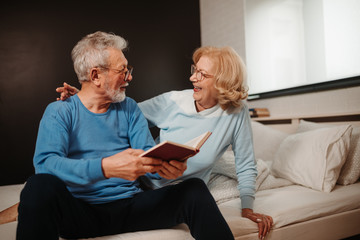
(66, 91)
(172, 169)
(128, 165)
(263, 221)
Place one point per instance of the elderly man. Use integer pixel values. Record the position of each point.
(87, 162)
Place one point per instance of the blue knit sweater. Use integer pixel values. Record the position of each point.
(72, 141)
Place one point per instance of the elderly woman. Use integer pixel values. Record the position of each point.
(214, 104)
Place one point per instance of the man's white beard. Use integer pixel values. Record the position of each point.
(115, 95)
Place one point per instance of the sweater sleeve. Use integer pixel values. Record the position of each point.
(52, 149)
(245, 160)
(139, 134)
(155, 109)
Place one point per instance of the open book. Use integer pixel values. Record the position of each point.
(168, 150)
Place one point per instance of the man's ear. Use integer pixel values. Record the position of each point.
(95, 76)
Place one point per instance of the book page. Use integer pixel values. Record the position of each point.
(198, 141)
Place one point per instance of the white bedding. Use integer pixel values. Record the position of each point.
(295, 203)
(287, 205)
(286, 202)
(223, 180)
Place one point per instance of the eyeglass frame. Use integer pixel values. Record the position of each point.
(195, 71)
(127, 73)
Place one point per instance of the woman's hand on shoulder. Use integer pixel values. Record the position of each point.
(263, 221)
(66, 91)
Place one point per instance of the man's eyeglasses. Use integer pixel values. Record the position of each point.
(199, 75)
(127, 70)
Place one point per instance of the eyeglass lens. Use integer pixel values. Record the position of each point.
(129, 71)
(198, 74)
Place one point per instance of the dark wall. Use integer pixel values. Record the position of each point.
(35, 45)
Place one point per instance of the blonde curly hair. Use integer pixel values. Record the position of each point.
(230, 74)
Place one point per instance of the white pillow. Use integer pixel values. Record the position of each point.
(350, 172)
(266, 140)
(314, 158)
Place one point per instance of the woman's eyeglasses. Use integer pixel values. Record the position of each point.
(199, 75)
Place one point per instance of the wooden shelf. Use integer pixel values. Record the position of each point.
(290, 123)
(347, 116)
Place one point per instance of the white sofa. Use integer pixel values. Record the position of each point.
(301, 209)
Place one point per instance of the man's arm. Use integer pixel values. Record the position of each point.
(140, 137)
(173, 169)
(52, 149)
(128, 165)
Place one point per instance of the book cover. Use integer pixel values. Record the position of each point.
(168, 150)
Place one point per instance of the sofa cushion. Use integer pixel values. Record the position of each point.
(313, 158)
(350, 172)
(266, 140)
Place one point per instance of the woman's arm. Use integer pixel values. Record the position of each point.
(66, 91)
(246, 169)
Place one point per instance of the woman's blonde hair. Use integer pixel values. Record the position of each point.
(230, 74)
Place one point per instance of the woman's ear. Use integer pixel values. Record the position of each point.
(95, 76)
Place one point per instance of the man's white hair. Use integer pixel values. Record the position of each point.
(92, 51)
